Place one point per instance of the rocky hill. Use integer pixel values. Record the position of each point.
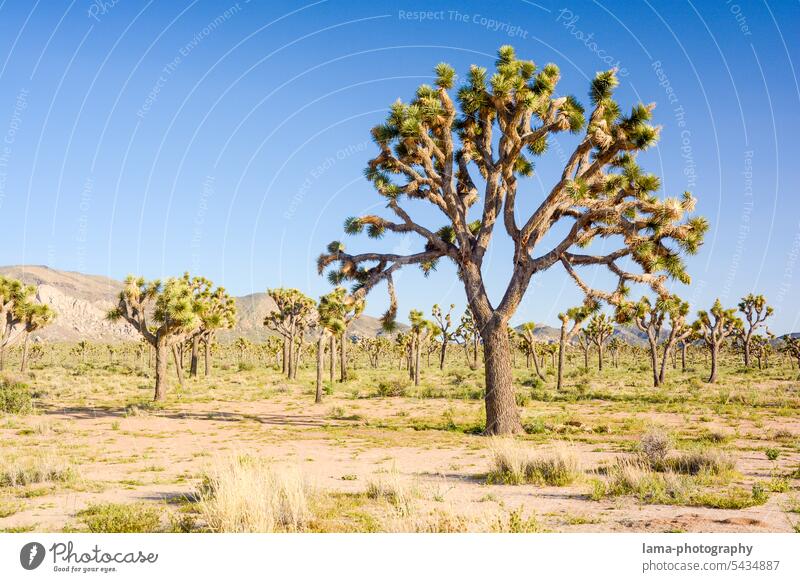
(82, 301)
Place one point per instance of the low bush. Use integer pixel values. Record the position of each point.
(15, 397)
(121, 518)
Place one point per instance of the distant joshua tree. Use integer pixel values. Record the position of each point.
(755, 311)
(467, 331)
(293, 315)
(217, 311)
(444, 323)
(571, 322)
(331, 313)
(651, 317)
(468, 159)
(14, 299)
(529, 346)
(598, 330)
(421, 330)
(34, 316)
(175, 308)
(714, 327)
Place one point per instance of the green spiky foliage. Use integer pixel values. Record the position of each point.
(714, 327)
(165, 313)
(14, 297)
(469, 155)
(755, 310)
(651, 318)
(217, 311)
(444, 329)
(293, 315)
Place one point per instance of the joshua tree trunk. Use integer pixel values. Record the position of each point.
(417, 352)
(442, 354)
(343, 358)
(161, 369)
(320, 366)
(714, 355)
(2, 357)
(683, 357)
(24, 365)
(746, 349)
(333, 359)
(502, 416)
(562, 342)
(193, 365)
(206, 356)
(600, 357)
(285, 358)
(654, 362)
(536, 366)
(177, 354)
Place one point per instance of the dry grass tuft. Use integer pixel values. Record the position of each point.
(513, 464)
(391, 487)
(19, 472)
(246, 495)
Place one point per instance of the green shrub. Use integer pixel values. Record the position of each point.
(395, 388)
(15, 397)
(121, 518)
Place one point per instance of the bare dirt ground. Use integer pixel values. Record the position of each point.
(128, 453)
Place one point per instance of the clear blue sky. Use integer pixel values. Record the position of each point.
(229, 138)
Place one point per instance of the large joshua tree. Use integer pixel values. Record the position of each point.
(755, 310)
(714, 327)
(175, 311)
(468, 159)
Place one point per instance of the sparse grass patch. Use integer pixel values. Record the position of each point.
(19, 472)
(392, 488)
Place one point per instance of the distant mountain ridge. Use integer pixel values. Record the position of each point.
(82, 301)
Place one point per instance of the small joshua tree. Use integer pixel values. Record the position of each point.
(293, 315)
(175, 312)
(421, 330)
(331, 313)
(444, 322)
(755, 310)
(714, 327)
(469, 160)
(529, 346)
(468, 334)
(34, 316)
(571, 322)
(651, 317)
(598, 330)
(791, 346)
(217, 311)
(14, 297)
